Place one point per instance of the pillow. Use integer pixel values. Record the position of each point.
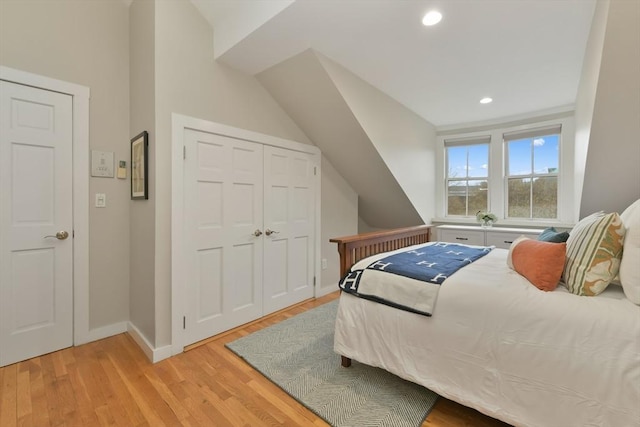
(552, 235)
(630, 264)
(594, 250)
(541, 263)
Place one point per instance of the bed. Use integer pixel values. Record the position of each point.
(498, 344)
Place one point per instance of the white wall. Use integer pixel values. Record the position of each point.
(339, 219)
(406, 142)
(86, 43)
(612, 174)
(189, 82)
(586, 97)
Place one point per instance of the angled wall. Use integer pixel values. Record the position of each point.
(612, 175)
(310, 95)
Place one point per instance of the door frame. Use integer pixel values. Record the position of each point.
(179, 123)
(80, 103)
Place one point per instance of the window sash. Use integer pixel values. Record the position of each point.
(530, 134)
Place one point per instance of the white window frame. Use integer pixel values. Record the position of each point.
(497, 158)
(530, 134)
(467, 142)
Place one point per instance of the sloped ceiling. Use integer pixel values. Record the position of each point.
(526, 54)
(304, 89)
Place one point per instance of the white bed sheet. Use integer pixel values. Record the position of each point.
(498, 344)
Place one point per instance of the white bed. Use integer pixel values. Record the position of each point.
(500, 345)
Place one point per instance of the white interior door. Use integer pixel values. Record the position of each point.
(36, 287)
(223, 210)
(289, 201)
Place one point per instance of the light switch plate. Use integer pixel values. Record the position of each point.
(102, 163)
(101, 200)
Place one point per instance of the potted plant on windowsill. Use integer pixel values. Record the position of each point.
(486, 219)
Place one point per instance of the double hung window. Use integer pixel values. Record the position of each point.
(532, 170)
(467, 175)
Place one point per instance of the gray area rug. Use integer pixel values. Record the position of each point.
(297, 355)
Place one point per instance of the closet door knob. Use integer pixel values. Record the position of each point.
(257, 233)
(60, 235)
(270, 232)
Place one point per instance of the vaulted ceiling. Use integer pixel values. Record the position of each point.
(325, 60)
(525, 54)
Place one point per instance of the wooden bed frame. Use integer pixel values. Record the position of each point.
(354, 248)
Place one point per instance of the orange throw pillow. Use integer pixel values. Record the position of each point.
(540, 262)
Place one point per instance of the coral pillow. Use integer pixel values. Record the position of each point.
(541, 263)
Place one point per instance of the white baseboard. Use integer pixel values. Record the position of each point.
(152, 353)
(102, 332)
(324, 290)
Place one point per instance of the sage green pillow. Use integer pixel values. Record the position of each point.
(594, 251)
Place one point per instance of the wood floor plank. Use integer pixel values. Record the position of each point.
(8, 395)
(111, 382)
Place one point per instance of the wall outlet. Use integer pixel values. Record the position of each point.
(324, 263)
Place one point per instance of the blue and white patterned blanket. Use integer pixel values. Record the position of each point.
(410, 280)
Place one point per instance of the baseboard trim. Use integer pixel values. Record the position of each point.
(153, 354)
(102, 332)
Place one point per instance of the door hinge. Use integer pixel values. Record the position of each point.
(314, 170)
(314, 281)
(184, 151)
(184, 322)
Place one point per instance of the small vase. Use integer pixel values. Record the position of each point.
(487, 224)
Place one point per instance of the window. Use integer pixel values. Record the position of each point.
(467, 172)
(532, 170)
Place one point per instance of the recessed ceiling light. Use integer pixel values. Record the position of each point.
(486, 100)
(432, 18)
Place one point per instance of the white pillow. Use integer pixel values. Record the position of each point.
(630, 264)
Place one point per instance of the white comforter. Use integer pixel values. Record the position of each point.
(498, 344)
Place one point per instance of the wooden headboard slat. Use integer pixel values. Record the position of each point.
(353, 248)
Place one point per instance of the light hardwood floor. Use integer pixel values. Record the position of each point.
(110, 382)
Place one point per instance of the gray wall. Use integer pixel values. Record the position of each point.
(612, 174)
(142, 212)
(86, 43)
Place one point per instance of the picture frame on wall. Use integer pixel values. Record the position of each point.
(140, 167)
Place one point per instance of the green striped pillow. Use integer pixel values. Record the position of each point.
(594, 251)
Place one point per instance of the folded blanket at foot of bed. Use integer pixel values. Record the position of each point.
(409, 279)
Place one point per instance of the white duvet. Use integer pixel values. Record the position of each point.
(498, 344)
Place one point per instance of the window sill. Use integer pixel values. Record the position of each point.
(505, 223)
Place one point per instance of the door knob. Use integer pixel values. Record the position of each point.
(60, 235)
(257, 233)
(270, 232)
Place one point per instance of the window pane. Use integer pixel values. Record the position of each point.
(478, 196)
(519, 198)
(457, 158)
(478, 161)
(520, 157)
(545, 154)
(456, 202)
(545, 197)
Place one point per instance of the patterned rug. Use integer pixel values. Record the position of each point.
(297, 355)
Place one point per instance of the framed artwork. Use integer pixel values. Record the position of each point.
(139, 167)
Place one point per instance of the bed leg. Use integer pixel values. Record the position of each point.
(345, 362)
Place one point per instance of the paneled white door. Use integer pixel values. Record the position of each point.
(36, 242)
(289, 221)
(223, 233)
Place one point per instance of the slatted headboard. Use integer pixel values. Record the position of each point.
(353, 248)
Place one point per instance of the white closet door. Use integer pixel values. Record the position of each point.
(289, 201)
(36, 270)
(223, 183)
